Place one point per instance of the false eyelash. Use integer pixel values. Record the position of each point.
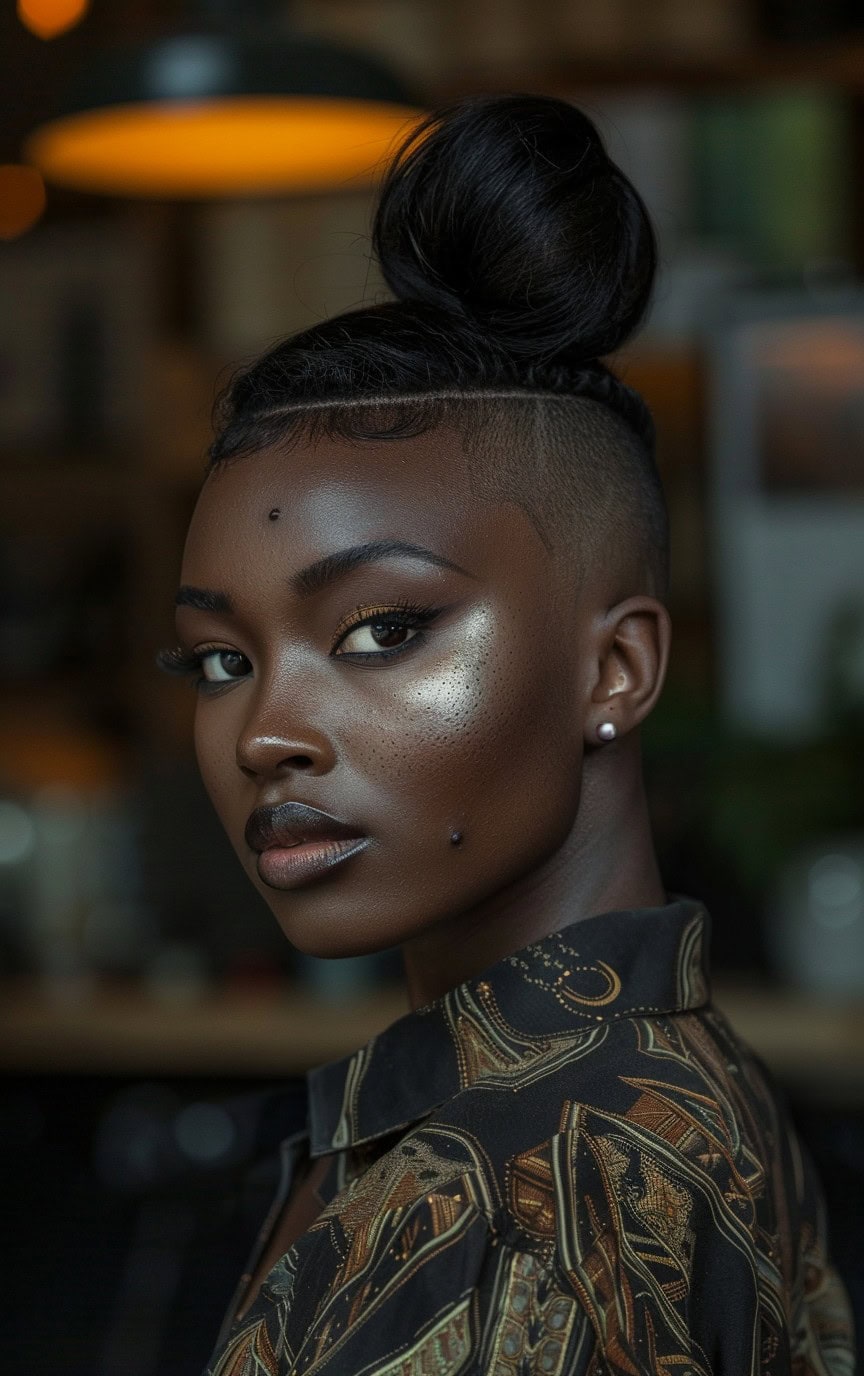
(182, 663)
(396, 611)
(177, 661)
(406, 614)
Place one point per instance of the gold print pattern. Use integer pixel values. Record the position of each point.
(485, 1043)
(692, 982)
(532, 1192)
(552, 973)
(662, 1206)
(480, 1054)
(608, 995)
(664, 1119)
(593, 1138)
(444, 1351)
(404, 1174)
(535, 1319)
(444, 1210)
(666, 1210)
(250, 1353)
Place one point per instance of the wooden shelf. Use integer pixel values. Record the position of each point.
(127, 1030)
(812, 1047)
(837, 64)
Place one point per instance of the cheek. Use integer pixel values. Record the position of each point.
(216, 760)
(460, 729)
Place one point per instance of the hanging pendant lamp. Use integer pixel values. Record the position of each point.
(224, 112)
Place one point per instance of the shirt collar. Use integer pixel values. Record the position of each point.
(616, 965)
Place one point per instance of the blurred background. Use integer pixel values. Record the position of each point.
(180, 185)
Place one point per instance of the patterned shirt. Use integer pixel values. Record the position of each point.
(567, 1166)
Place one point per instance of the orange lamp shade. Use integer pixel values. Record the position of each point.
(50, 18)
(239, 146)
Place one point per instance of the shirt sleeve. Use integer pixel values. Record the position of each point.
(428, 1287)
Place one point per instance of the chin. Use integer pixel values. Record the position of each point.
(328, 938)
(329, 924)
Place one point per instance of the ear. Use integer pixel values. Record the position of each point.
(633, 640)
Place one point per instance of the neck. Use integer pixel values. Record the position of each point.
(606, 863)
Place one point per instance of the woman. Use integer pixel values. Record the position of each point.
(423, 603)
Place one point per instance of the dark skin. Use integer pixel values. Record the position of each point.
(482, 723)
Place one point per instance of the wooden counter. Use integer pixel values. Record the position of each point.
(128, 1030)
(814, 1047)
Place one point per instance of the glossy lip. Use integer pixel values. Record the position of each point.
(290, 867)
(290, 824)
(297, 844)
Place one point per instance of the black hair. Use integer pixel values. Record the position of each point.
(519, 254)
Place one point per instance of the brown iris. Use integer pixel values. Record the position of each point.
(388, 634)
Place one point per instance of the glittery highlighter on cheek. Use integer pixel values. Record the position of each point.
(467, 743)
(449, 697)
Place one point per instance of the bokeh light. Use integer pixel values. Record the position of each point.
(50, 18)
(204, 1132)
(17, 833)
(22, 198)
(244, 146)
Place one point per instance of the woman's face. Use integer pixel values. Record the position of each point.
(390, 738)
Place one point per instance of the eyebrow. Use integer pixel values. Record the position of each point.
(327, 570)
(332, 566)
(203, 600)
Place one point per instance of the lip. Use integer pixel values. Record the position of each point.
(297, 844)
(290, 867)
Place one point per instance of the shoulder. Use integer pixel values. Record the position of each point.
(678, 1080)
(663, 1105)
(649, 1164)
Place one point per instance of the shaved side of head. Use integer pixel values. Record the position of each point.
(578, 470)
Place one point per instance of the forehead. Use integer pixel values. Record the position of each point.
(332, 494)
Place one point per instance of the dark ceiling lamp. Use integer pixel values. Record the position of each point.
(231, 109)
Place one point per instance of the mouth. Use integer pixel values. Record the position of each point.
(298, 844)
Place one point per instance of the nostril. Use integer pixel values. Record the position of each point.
(269, 754)
(303, 762)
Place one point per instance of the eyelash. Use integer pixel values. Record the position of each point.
(407, 615)
(177, 661)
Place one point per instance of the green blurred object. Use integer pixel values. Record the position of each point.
(770, 176)
(768, 802)
(749, 804)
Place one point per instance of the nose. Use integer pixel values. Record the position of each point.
(275, 741)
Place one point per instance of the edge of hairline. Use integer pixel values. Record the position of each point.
(406, 398)
(300, 408)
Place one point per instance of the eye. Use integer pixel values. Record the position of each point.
(379, 633)
(385, 633)
(221, 666)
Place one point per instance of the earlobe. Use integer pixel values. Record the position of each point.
(633, 653)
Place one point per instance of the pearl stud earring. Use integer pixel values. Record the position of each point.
(607, 731)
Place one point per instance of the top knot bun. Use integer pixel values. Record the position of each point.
(507, 211)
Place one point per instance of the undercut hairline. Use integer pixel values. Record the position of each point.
(509, 484)
(408, 398)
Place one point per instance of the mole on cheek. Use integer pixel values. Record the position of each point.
(274, 513)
